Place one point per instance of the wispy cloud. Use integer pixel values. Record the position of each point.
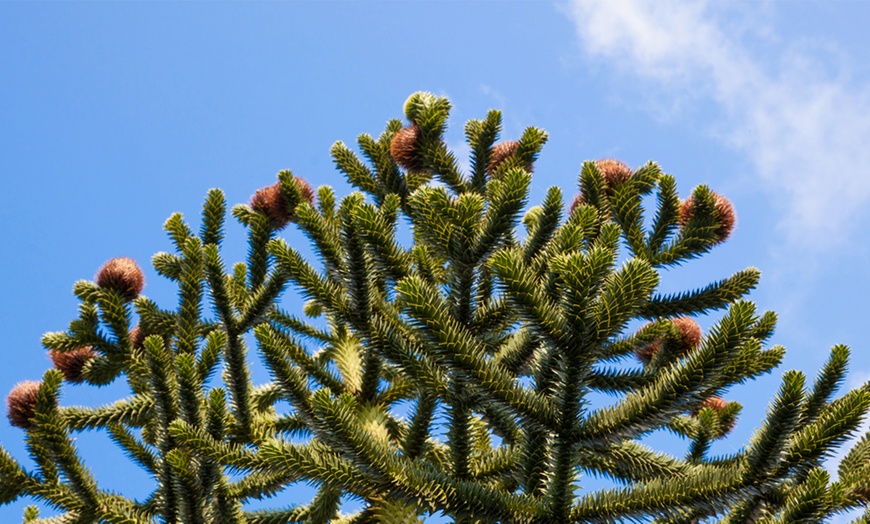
(806, 130)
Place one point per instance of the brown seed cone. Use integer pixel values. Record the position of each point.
(501, 152)
(727, 217)
(614, 172)
(72, 363)
(305, 189)
(646, 352)
(690, 333)
(271, 202)
(404, 148)
(21, 403)
(690, 338)
(137, 338)
(575, 203)
(717, 404)
(123, 275)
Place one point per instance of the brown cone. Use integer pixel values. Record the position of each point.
(727, 217)
(123, 275)
(72, 363)
(690, 338)
(614, 172)
(690, 333)
(21, 403)
(501, 152)
(305, 189)
(575, 203)
(404, 148)
(137, 338)
(271, 202)
(646, 352)
(717, 404)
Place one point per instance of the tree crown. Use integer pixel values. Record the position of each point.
(448, 374)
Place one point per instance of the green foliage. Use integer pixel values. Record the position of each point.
(449, 375)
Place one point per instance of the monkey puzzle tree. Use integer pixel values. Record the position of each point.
(451, 372)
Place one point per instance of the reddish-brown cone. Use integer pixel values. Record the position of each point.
(137, 338)
(305, 189)
(614, 172)
(21, 403)
(646, 352)
(690, 333)
(717, 404)
(501, 152)
(404, 148)
(575, 203)
(727, 217)
(123, 275)
(72, 363)
(271, 202)
(689, 339)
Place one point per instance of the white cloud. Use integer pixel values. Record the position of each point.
(806, 131)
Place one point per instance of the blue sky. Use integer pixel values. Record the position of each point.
(115, 115)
